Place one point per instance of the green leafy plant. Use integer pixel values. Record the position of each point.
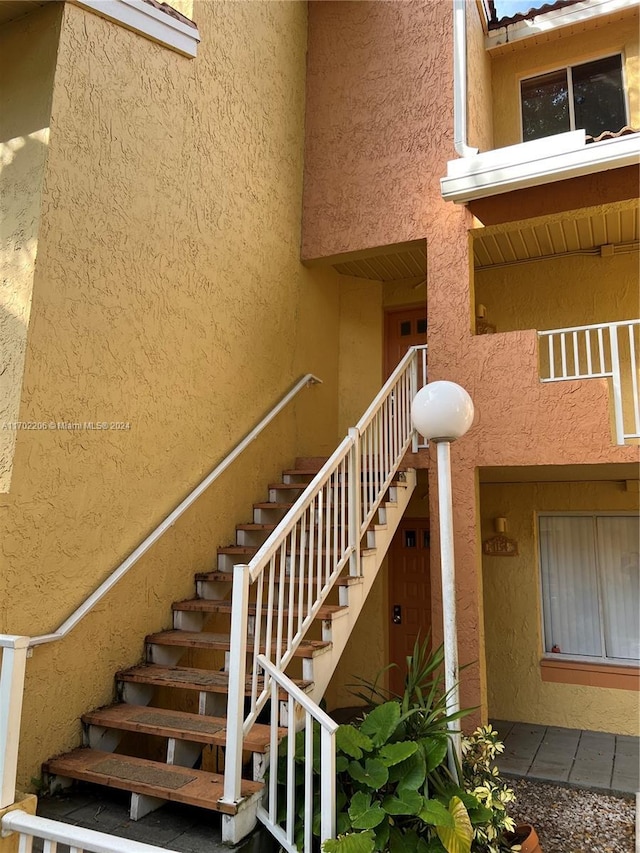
(483, 781)
(394, 789)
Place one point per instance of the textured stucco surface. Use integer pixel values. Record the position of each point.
(27, 65)
(513, 620)
(479, 81)
(361, 321)
(378, 135)
(542, 295)
(168, 295)
(529, 58)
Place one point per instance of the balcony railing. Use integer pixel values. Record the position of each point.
(602, 351)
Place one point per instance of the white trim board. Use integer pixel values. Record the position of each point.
(145, 19)
(557, 19)
(530, 164)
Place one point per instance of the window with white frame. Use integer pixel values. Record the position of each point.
(589, 96)
(590, 571)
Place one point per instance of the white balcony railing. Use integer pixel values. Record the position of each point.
(79, 840)
(601, 351)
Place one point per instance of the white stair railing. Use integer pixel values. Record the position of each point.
(77, 838)
(302, 714)
(309, 548)
(603, 350)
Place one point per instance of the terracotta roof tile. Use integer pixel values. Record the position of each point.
(495, 23)
(610, 134)
(169, 10)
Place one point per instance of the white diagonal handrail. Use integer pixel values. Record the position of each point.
(599, 351)
(309, 548)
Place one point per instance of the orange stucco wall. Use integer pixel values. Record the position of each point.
(379, 131)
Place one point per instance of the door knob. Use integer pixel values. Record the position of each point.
(397, 614)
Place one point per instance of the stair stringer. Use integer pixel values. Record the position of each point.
(324, 665)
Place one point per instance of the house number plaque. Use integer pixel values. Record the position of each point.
(500, 546)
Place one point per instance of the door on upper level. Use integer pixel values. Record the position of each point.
(403, 328)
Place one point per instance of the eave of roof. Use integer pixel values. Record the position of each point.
(534, 11)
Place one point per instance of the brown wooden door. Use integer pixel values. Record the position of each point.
(404, 328)
(409, 594)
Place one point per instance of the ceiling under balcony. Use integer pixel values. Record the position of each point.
(608, 231)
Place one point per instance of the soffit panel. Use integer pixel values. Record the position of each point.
(402, 265)
(12, 9)
(528, 241)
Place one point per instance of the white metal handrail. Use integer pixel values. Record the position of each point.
(599, 351)
(301, 713)
(171, 519)
(309, 548)
(14, 648)
(77, 838)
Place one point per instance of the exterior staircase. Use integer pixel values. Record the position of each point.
(165, 739)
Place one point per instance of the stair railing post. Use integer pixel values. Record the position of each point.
(353, 491)
(413, 390)
(617, 384)
(13, 661)
(237, 677)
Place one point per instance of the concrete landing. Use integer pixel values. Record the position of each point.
(174, 827)
(583, 759)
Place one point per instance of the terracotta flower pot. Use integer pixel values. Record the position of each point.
(526, 836)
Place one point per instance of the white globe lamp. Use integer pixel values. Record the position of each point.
(443, 412)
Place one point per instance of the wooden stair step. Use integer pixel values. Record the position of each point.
(167, 781)
(187, 678)
(252, 550)
(180, 725)
(255, 527)
(205, 640)
(273, 505)
(209, 605)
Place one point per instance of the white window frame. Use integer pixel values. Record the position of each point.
(568, 68)
(574, 658)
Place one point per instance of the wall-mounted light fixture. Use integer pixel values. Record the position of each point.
(500, 545)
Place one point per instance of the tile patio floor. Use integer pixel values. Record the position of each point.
(596, 760)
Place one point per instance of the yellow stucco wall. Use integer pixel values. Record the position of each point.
(543, 294)
(550, 51)
(361, 327)
(512, 612)
(479, 114)
(27, 64)
(168, 295)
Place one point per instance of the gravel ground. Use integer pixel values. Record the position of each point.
(570, 820)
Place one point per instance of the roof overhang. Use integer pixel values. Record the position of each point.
(531, 164)
(544, 22)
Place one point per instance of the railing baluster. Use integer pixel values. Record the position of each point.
(617, 384)
(634, 379)
(273, 748)
(257, 640)
(291, 769)
(588, 347)
(563, 354)
(576, 357)
(308, 781)
(603, 368)
(301, 564)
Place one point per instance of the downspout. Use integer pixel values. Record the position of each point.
(460, 80)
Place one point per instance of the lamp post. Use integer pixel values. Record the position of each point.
(443, 412)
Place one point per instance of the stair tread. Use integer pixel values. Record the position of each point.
(210, 605)
(273, 505)
(169, 782)
(206, 640)
(254, 526)
(180, 725)
(189, 678)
